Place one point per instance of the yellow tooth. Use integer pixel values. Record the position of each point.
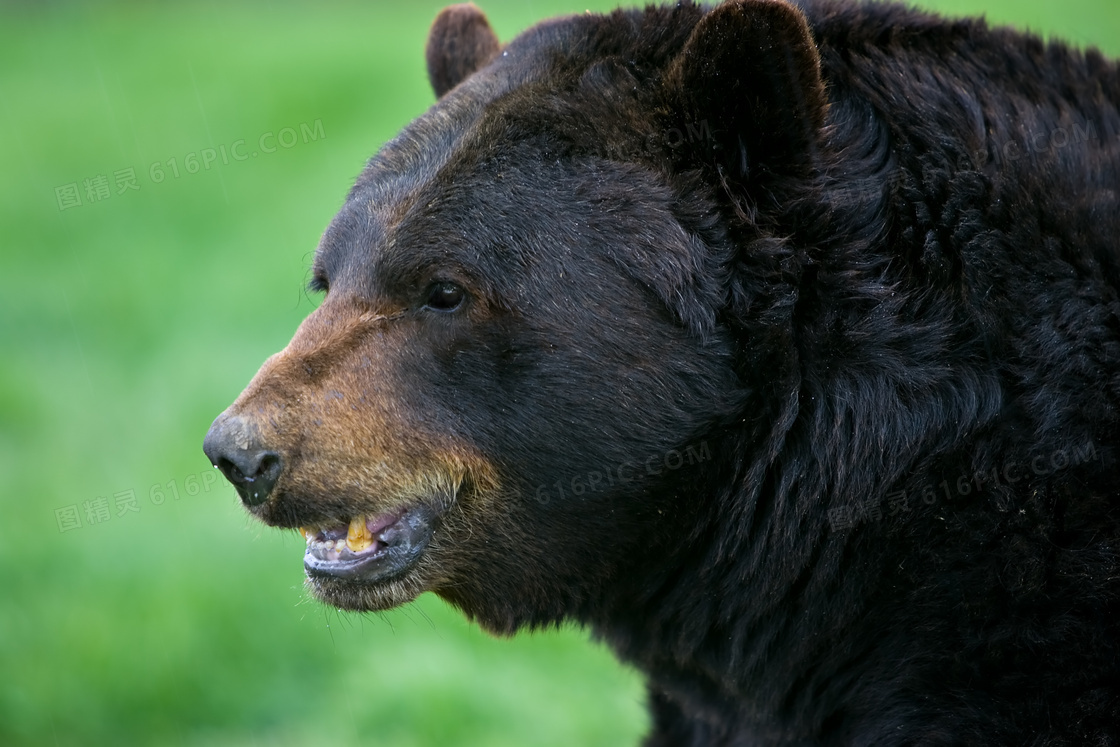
(304, 531)
(358, 537)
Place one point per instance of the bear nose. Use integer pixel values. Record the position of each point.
(232, 445)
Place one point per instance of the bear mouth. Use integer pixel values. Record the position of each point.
(369, 548)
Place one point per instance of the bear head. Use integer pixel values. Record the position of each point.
(532, 346)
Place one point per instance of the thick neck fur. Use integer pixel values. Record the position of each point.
(850, 293)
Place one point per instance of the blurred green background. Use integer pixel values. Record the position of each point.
(139, 604)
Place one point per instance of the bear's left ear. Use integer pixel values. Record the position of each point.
(459, 43)
(751, 70)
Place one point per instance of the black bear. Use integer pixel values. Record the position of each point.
(777, 344)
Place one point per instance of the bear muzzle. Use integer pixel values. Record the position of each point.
(369, 548)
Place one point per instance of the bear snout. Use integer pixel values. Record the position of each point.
(234, 446)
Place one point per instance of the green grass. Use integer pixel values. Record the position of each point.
(127, 324)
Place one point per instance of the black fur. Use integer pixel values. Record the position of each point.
(873, 254)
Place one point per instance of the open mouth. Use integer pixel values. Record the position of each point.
(369, 548)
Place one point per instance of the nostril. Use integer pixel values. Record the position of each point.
(232, 472)
(269, 467)
(254, 474)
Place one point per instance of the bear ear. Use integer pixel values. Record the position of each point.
(751, 69)
(459, 43)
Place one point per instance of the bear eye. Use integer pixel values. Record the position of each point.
(318, 283)
(445, 297)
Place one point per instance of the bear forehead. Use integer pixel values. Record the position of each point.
(397, 176)
(553, 92)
